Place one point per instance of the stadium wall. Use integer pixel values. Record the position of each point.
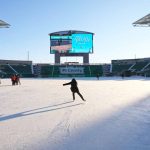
(68, 70)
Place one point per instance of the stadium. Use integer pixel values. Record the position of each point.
(74, 43)
(86, 84)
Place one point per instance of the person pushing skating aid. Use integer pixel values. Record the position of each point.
(74, 88)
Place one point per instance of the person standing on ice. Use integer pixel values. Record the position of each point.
(18, 79)
(13, 79)
(74, 89)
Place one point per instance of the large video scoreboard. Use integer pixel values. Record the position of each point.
(71, 42)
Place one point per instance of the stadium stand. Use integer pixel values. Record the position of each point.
(131, 66)
(119, 66)
(138, 66)
(127, 67)
(10, 67)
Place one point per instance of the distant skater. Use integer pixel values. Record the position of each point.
(97, 75)
(122, 75)
(18, 79)
(74, 89)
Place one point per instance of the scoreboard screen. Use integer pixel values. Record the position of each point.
(74, 43)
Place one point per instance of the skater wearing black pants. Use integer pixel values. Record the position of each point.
(74, 89)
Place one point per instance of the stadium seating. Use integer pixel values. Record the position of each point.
(135, 66)
(118, 68)
(24, 70)
(139, 66)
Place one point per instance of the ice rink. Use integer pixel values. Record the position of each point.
(40, 114)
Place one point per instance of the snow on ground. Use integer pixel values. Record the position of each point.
(39, 114)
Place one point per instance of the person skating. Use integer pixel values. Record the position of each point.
(18, 79)
(74, 88)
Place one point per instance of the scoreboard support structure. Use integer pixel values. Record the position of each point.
(71, 43)
(84, 55)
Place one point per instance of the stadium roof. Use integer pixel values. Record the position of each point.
(145, 21)
(67, 32)
(3, 24)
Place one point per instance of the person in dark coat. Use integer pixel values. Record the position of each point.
(74, 88)
(122, 75)
(97, 75)
(18, 79)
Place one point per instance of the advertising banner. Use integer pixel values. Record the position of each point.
(71, 70)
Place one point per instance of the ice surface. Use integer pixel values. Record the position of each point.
(39, 114)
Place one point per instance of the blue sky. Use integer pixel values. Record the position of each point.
(110, 20)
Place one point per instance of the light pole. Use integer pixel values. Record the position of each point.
(28, 55)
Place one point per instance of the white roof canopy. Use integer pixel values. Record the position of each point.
(3, 24)
(145, 21)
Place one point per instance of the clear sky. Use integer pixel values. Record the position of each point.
(110, 20)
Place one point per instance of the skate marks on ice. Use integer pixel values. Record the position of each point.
(40, 110)
(5, 85)
(62, 129)
(126, 129)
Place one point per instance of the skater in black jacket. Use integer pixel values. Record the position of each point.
(74, 89)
